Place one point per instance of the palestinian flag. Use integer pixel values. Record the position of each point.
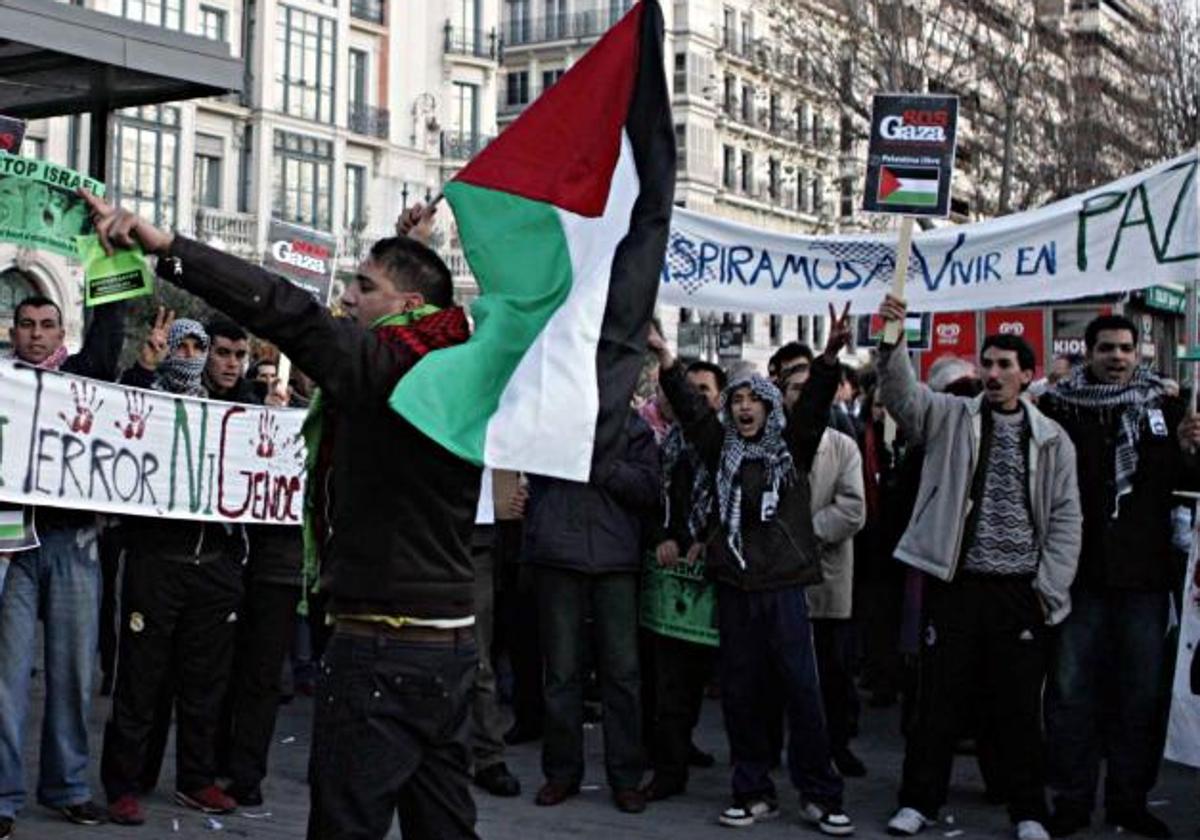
(563, 220)
(910, 186)
(17, 532)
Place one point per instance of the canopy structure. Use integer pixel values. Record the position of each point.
(60, 59)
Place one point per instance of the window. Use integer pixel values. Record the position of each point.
(847, 197)
(357, 70)
(729, 168)
(747, 328)
(746, 39)
(730, 94)
(549, 77)
(464, 21)
(212, 23)
(681, 146)
(748, 104)
(356, 210)
(773, 115)
(818, 194)
(145, 162)
(817, 130)
(304, 66)
(15, 286)
(167, 13)
(679, 85)
(729, 31)
(517, 88)
(207, 171)
(464, 110)
(802, 191)
(556, 19)
(302, 176)
(747, 172)
(520, 23)
(775, 325)
(774, 182)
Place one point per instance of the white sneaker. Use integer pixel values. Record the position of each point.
(743, 816)
(831, 821)
(1032, 830)
(907, 822)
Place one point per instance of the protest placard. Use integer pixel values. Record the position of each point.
(910, 154)
(677, 601)
(303, 256)
(39, 207)
(108, 278)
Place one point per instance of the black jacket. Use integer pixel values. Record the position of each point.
(781, 551)
(401, 507)
(603, 525)
(179, 540)
(1133, 551)
(96, 359)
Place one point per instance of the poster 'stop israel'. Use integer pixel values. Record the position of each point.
(1140, 231)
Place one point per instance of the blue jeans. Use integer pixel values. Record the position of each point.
(60, 581)
(763, 632)
(1107, 697)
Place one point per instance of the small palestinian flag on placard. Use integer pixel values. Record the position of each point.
(563, 219)
(908, 186)
(17, 532)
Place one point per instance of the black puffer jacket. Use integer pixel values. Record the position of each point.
(781, 551)
(603, 525)
(1132, 551)
(401, 506)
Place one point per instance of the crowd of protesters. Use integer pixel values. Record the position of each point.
(993, 553)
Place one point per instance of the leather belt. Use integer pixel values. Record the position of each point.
(405, 632)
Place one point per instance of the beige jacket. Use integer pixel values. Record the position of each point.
(839, 512)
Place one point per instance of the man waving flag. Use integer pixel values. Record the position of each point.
(564, 221)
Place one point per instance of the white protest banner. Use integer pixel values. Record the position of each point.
(1183, 730)
(77, 443)
(1140, 231)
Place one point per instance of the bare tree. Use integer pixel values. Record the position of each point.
(1173, 78)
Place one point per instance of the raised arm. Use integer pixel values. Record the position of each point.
(809, 417)
(349, 363)
(911, 403)
(700, 424)
(101, 351)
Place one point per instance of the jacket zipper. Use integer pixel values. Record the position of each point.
(977, 432)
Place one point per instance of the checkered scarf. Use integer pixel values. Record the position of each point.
(182, 376)
(768, 447)
(674, 447)
(1133, 400)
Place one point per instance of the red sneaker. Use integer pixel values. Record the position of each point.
(210, 800)
(126, 811)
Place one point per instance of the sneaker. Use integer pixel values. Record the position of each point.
(1139, 821)
(246, 796)
(831, 821)
(6, 827)
(84, 813)
(126, 811)
(210, 800)
(748, 813)
(1032, 830)
(907, 822)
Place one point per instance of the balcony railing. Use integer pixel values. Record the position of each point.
(470, 42)
(369, 120)
(369, 10)
(461, 146)
(533, 30)
(236, 233)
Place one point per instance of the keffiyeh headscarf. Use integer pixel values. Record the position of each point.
(768, 447)
(182, 376)
(1132, 400)
(52, 362)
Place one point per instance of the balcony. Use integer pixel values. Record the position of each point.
(369, 120)
(564, 27)
(235, 233)
(368, 10)
(470, 42)
(459, 146)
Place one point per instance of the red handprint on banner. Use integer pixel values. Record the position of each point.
(266, 435)
(87, 405)
(134, 427)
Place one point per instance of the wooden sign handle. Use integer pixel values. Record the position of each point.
(892, 330)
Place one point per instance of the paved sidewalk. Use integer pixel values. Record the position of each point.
(690, 817)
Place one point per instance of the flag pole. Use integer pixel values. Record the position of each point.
(892, 330)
